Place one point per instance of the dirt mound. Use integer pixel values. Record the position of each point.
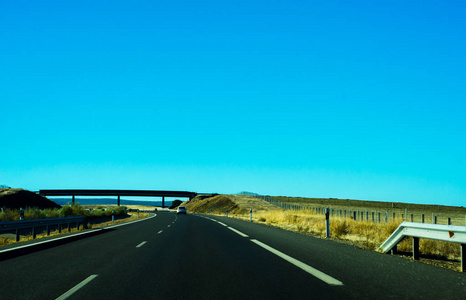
(236, 204)
(218, 204)
(18, 198)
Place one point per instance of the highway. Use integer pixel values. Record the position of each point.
(204, 257)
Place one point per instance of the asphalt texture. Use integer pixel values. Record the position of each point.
(173, 256)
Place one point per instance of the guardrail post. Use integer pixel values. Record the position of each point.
(59, 228)
(33, 232)
(250, 215)
(422, 218)
(17, 235)
(21, 214)
(449, 221)
(372, 216)
(393, 216)
(415, 248)
(433, 218)
(227, 213)
(386, 216)
(327, 222)
(48, 230)
(463, 257)
(138, 213)
(379, 217)
(69, 227)
(412, 218)
(406, 214)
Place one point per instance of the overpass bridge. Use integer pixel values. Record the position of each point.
(119, 193)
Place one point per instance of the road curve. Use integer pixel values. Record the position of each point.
(204, 257)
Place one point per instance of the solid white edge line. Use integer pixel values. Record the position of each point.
(160, 232)
(52, 240)
(223, 224)
(314, 272)
(72, 235)
(141, 244)
(238, 232)
(77, 287)
(127, 223)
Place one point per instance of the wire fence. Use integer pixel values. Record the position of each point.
(362, 214)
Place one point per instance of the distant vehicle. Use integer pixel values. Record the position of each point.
(181, 210)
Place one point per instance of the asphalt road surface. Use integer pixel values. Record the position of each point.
(203, 257)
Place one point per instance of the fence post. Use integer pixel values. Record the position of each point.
(250, 215)
(327, 223)
(406, 214)
(386, 216)
(379, 217)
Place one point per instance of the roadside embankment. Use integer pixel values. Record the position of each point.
(363, 234)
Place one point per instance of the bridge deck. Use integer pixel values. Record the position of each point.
(139, 193)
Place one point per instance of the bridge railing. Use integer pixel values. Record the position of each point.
(447, 233)
(47, 224)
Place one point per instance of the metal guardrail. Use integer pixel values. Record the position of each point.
(447, 233)
(33, 224)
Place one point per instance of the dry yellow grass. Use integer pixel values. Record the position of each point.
(364, 234)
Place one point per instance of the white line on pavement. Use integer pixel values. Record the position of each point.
(238, 232)
(77, 287)
(314, 272)
(168, 226)
(141, 244)
(51, 240)
(160, 232)
(222, 223)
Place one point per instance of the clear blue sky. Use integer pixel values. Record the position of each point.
(344, 99)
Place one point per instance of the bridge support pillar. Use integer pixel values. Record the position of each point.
(415, 248)
(118, 200)
(163, 202)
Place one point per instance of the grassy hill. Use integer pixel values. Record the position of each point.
(19, 198)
